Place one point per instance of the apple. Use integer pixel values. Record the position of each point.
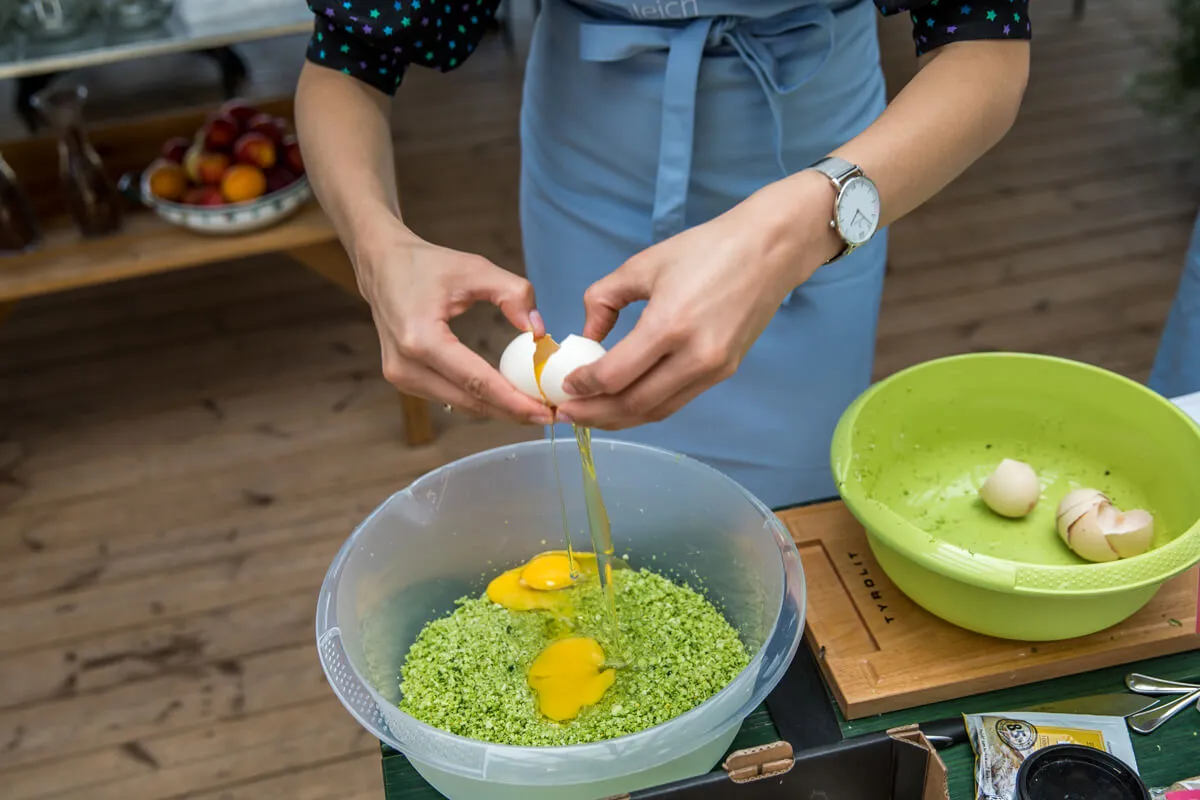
(273, 128)
(255, 149)
(241, 111)
(204, 196)
(220, 132)
(279, 178)
(175, 149)
(291, 155)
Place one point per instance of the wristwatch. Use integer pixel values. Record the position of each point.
(856, 208)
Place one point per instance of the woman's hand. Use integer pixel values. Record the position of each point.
(414, 290)
(711, 291)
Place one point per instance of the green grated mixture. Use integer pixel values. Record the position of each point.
(466, 672)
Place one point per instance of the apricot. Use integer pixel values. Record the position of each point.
(243, 182)
(205, 167)
(175, 149)
(220, 132)
(291, 155)
(167, 181)
(255, 149)
(274, 128)
(204, 196)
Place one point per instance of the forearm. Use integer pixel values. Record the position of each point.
(961, 103)
(958, 106)
(345, 134)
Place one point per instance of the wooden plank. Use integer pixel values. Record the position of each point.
(330, 261)
(881, 652)
(51, 555)
(172, 700)
(145, 246)
(208, 757)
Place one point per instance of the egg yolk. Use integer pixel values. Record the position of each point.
(507, 590)
(534, 585)
(569, 675)
(551, 571)
(545, 348)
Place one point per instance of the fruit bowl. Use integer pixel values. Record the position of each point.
(241, 171)
(230, 218)
(911, 452)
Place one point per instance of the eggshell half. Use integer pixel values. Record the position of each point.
(573, 353)
(516, 365)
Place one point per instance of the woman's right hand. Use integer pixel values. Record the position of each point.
(414, 289)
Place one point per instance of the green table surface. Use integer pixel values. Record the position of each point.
(1169, 754)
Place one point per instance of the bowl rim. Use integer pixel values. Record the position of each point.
(790, 565)
(991, 572)
(298, 186)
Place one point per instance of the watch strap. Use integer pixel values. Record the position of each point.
(838, 171)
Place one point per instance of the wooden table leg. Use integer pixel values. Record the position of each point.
(329, 260)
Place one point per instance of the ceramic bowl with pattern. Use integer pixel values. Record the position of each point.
(232, 218)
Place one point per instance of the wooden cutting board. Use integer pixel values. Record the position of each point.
(881, 652)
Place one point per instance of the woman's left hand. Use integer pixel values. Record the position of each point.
(711, 291)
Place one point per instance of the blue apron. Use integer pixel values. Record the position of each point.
(642, 118)
(1177, 366)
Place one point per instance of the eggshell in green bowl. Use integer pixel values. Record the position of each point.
(910, 454)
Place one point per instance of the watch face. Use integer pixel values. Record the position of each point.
(858, 210)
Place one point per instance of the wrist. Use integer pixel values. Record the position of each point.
(797, 212)
(375, 237)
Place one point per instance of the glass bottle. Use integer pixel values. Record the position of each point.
(54, 20)
(90, 194)
(19, 229)
(137, 14)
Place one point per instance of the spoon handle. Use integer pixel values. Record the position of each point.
(1145, 684)
(1149, 720)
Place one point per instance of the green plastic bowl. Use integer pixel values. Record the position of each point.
(910, 453)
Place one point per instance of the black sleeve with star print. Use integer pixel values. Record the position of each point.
(941, 22)
(376, 40)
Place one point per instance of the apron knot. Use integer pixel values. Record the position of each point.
(686, 44)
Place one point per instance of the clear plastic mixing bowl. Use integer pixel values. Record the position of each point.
(451, 531)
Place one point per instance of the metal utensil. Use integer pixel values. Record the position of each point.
(1147, 684)
(1152, 718)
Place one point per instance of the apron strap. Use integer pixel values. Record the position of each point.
(685, 45)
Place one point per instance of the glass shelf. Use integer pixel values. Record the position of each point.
(194, 25)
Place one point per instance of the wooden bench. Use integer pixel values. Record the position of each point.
(148, 245)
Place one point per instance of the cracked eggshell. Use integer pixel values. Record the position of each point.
(1086, 535)
(1130, 532)
(516, 365)
(1012, 490)
(1074, 505)
(573, 353)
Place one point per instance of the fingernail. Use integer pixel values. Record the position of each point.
(570, 387)
(536, 321)
(543, 419)
(563, 418)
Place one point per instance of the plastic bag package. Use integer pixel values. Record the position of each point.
(1180, 790)
(1003, 740)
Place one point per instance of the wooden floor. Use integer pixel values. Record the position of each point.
(181, 457)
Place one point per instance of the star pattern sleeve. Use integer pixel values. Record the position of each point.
(939, 22)
(376, 40)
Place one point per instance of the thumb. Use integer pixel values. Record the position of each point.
(510, 293)
(604, 299)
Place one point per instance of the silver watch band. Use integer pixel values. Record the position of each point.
(838, 170)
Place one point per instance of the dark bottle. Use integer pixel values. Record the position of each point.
(90, 195)
(19, 230)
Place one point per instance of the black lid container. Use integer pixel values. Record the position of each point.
(1075, 772)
